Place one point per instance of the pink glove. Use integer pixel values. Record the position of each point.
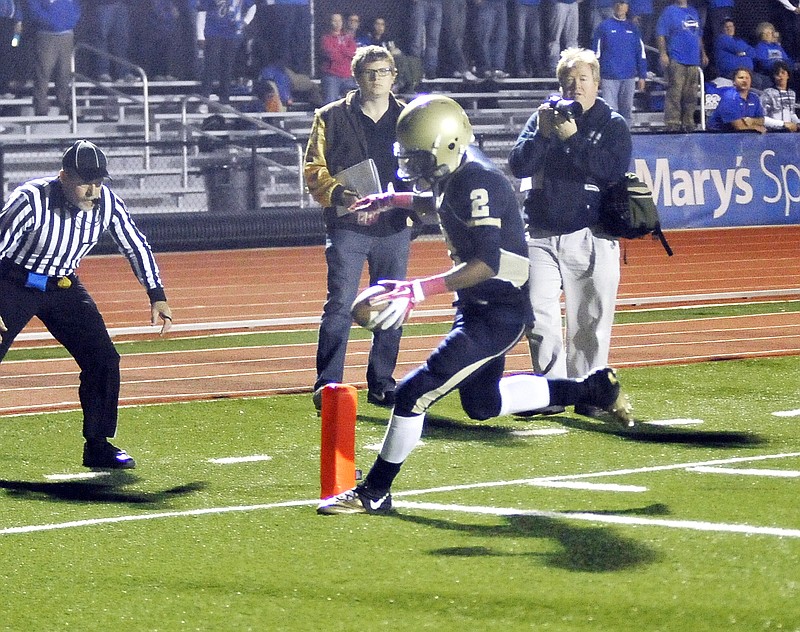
(383, 201)
(402, 299)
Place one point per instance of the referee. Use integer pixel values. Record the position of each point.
(47, 226)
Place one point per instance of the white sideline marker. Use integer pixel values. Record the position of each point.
(674, 422)
(79, 476)
(539, 432)
(601, 487)
(227, 460)
(745, 472)
(787, 413)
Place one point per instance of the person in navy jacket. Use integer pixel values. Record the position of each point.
(222, 23)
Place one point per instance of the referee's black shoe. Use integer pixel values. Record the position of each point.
(103, 455)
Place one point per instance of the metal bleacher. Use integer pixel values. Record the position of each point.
(168, 145)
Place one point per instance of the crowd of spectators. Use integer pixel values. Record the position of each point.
(230, 45)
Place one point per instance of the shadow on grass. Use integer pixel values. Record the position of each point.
(583, 549)
(97, 490)
(660, 434)
(439, 427)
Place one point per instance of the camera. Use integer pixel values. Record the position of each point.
(567, 108)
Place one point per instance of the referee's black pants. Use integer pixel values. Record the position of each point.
(73, 319)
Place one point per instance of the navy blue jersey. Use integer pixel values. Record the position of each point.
(481, 219)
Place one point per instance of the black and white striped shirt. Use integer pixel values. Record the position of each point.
(42, 232)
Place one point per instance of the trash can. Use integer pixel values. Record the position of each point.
(229, 186)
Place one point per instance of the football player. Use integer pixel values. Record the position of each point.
(483, 226)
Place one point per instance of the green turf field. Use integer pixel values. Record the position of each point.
(549, 524)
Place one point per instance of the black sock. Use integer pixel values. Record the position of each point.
(381, 477)
(567, 392)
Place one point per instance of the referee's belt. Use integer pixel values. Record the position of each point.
(25, 278)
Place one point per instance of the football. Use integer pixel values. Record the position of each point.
(362, 311)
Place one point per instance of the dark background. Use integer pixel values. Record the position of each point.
(747, 15)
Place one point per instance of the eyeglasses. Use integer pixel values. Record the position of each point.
(378, 72)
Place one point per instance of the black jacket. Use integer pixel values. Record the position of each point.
(338, 141)
(570, 176)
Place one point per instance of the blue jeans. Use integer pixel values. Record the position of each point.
(454, 26)
(492, 32)
(113, 22)
(346, 251)
(528, 35)
(426, 20)
(219, 60)
(618, 93)
(562, 28)
(334, 87)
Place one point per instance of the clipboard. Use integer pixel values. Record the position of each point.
(362, 178)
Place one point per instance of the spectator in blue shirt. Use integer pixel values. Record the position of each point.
(53, 27)
(731, 52)
(222, 24)
(618, 46)
(681, 53)
(739, 109)
(718, 12)
(768, 50)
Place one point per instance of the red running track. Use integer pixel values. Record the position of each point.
(218, 291)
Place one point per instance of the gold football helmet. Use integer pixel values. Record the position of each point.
(433, 133)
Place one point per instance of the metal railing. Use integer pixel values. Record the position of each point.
(259, 130)
(144, 102)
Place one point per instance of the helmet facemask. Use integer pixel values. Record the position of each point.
(419, 167)
(433, 134)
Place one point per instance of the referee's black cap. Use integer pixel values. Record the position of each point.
(87, 160)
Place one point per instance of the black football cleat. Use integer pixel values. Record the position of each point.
(608, 401)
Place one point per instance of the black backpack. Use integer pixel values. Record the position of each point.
(628, 210)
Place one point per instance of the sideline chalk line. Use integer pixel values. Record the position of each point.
(584, 516)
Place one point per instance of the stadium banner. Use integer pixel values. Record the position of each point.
(721, 180)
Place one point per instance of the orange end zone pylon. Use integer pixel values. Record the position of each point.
(337, 471)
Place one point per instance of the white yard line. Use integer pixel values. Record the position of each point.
(603, 518)
(744, 471)
(673, 422)
(787, 413)
(228, 460)
(600, 487)
(692, 525)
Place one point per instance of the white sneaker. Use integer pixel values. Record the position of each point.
(469, 76)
